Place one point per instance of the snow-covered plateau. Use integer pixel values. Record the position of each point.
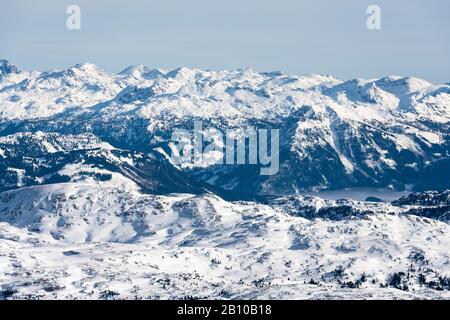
(92, 208)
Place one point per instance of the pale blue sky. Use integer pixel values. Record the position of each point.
(294, 36)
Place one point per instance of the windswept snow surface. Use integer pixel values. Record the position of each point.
(96, 241)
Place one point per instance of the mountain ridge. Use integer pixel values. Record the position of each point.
(391, 132)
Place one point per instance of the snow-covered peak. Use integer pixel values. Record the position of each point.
(86, 67)
(7, 67)
(313, 80)
(136, 71)
(358, 91)
(397, 86)
(135, 93)
(185, 91)
(402, 86)
(88, 70)
(181, 73)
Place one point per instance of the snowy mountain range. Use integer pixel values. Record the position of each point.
(91, 206)
(386, 133)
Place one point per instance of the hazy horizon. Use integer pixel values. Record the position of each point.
(295, 37)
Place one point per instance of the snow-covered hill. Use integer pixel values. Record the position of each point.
(97, 240)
